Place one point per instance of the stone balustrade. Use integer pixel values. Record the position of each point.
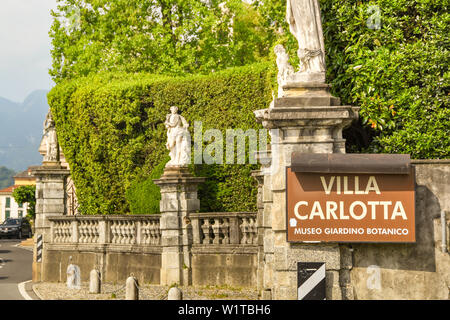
(224, 228)
(120, 230)
(119, 244)
(216, 228)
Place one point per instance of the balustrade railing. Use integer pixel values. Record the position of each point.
(62, 231)
(216, 228)
(125, 230)
(224, 228)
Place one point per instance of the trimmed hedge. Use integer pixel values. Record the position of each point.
(111, 128)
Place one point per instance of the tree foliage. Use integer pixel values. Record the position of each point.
(26, 194)
(155, 36)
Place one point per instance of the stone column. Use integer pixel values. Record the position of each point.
(307, 119)
(265, 225)
(178, 200)
(259, 177)
(50, 200)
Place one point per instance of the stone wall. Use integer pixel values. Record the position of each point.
(224, 248)
(115, 245)
(412, 271)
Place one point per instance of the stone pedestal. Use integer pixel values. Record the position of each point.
(50, 200)
(178, 200)
(307, 119)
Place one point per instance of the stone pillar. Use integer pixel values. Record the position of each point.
(178, 200)
(306, 119)
(265, 225)
(259, 177)
(50, 200)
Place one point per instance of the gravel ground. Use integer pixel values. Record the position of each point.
(59, 291)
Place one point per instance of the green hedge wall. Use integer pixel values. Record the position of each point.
(111, 128)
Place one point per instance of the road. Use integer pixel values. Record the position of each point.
(15, 267)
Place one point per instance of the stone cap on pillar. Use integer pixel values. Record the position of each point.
(178, 175)
(55, 169)
(306, 88)
(306, 116)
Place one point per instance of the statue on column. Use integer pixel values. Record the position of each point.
(305, 24)
(51, 140)
(303, 17)
(178, 139)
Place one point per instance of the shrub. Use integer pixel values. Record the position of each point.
(143, 196)
(397, 72)
(111, 128)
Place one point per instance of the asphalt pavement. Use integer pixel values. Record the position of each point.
(15, 268)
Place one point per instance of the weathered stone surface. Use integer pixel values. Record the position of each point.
(178, 200)
(333, 289)
(268, 241)
(53, 193)
(279, 211)
(410, 271)
(170, 221)
(168, 241)
(131, 289)
(95, 283)
(286, 285)
(306, 101)
(266, 294)
(278, 179)
(174, 294)
(268, 270)
(145, 267)
(224, 269)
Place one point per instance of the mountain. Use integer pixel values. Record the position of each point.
(21, 130)
(6, 177)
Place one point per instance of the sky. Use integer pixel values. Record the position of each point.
(24, 47)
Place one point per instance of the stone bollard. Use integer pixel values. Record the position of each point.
(175, 294)
(132, 291)
(95, 282)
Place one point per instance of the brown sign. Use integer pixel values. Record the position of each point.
(337, 207)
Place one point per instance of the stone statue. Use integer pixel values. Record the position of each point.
(285, 70)
(178, 139)
(305, 24)
(51, 140)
